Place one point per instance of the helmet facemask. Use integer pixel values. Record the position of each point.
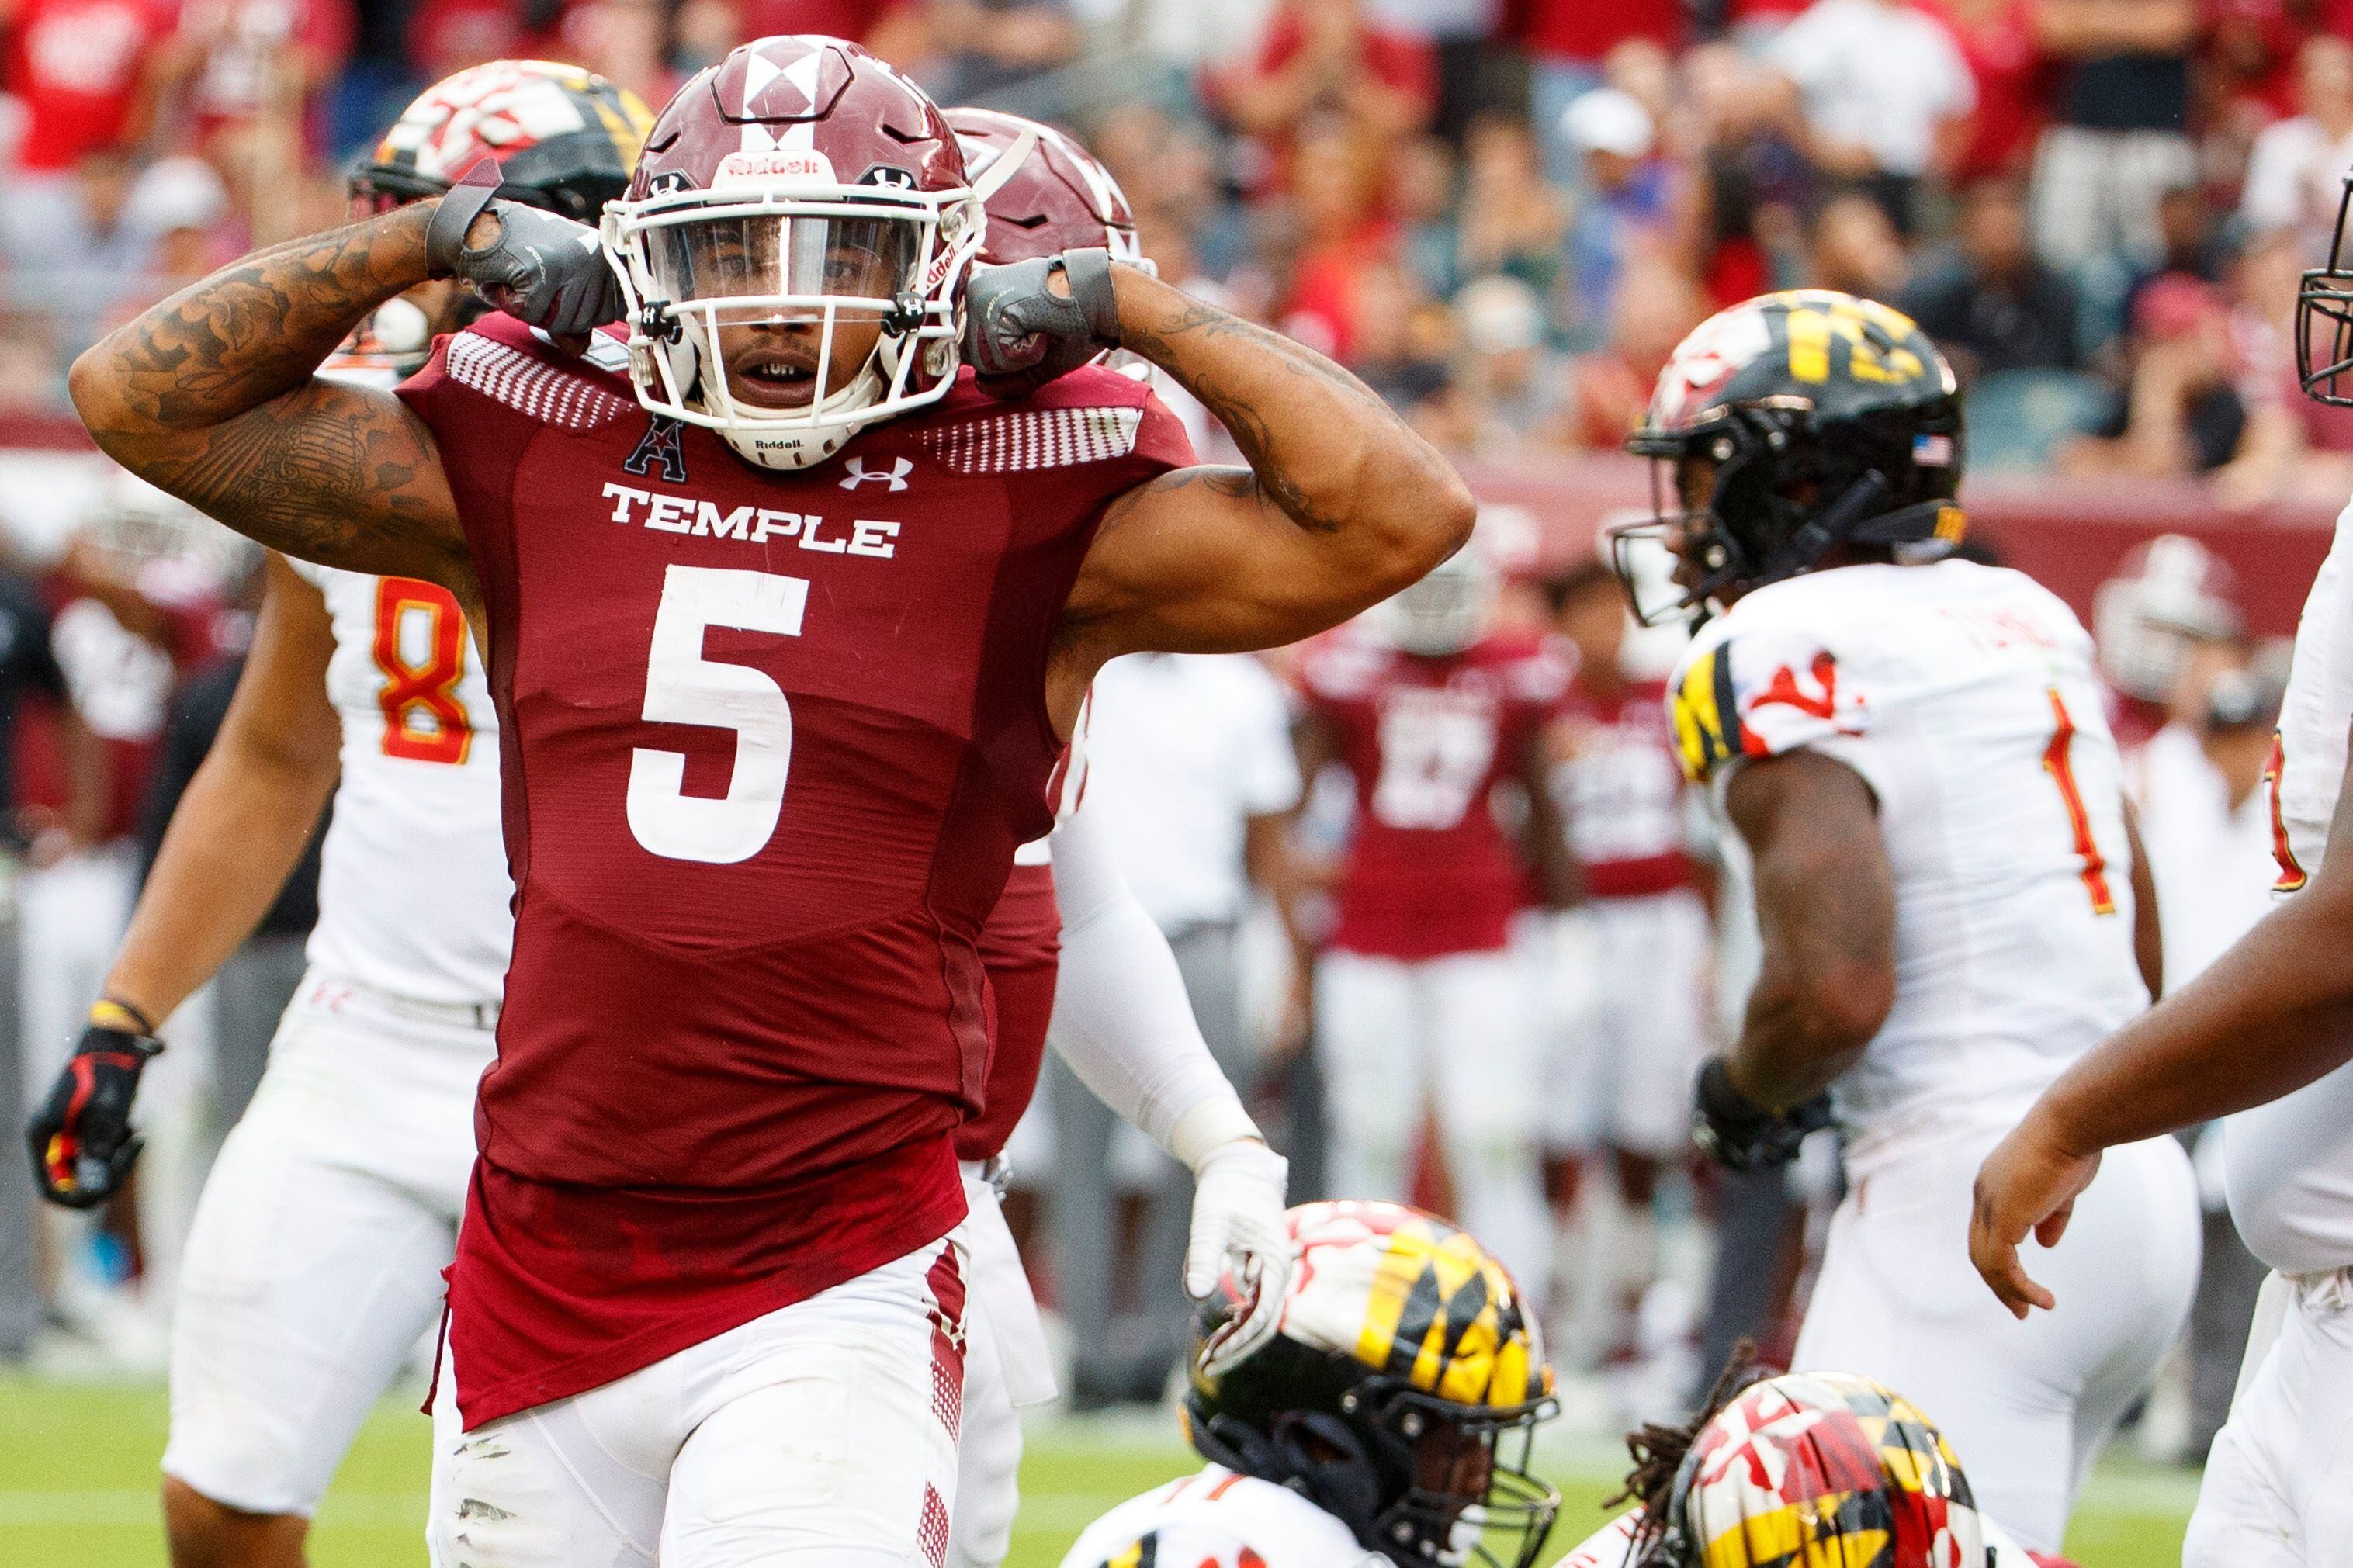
(704, 272)
(2324, 319)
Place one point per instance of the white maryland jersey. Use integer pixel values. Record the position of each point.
(1219, 1520)
(1612, 1545)
(1965, 697)
(413, 887)
(2287, 1166)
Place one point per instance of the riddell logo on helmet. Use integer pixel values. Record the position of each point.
(799, 164)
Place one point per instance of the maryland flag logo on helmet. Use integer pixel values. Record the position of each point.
(565, 138)
(1823, 1470)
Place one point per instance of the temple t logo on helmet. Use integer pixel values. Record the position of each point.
(793, 249)
(1400, 1393)
(1787, 427)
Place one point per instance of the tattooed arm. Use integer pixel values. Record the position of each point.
(1342, 505)
(211, 396)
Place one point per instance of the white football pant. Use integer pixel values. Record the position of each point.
(1620, 1077)
(2278, 1488)
(2027, 1404)
(820, 1436)
(1459, 1034)
(314, 1265)
(1007, 1367)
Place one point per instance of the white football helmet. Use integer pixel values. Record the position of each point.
(2168, 593)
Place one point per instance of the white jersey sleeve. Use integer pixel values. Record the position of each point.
(1965, 698)
(2287, 1167)
(413, 886)
(1219, 1519)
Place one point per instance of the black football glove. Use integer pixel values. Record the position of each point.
(542, 268)
(81, 1141)
(1740, 1134)
(1018, 334)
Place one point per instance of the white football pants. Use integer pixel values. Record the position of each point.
(2278, 1488)
(1007, 1367)
(314, 1265)
(1457, 1033)
(2027, 1404)
(820, 1436)
(1620, 1077)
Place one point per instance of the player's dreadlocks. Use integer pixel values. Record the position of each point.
(1658, 1451)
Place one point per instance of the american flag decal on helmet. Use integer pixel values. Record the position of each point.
(1031, 439)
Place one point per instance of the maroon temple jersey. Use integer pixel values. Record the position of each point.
(1429, 870)
(769, 742)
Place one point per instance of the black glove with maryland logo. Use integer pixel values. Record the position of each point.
(81, 1141)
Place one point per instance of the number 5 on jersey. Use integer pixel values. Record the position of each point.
(684, 687)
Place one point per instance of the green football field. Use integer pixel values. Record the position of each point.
(78, 1487)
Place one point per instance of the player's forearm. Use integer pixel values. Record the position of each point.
(1122, 1020)
(238, 831)
(252, 331)
(2271, 1014)
(1322, 446)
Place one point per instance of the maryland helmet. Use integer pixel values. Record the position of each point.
(565, 139)
(1815, 1468)
(1400, 1393)
(800, 181)
(2164, 595)
(1784, 427)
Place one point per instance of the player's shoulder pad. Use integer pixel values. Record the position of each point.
(1756, 686)
(499, 359)
(1609, 1547)
(1091, 417)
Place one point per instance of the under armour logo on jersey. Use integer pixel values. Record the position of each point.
(896, 479)
(664, 442)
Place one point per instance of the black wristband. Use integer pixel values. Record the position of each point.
(1089, 270)
(445, 235)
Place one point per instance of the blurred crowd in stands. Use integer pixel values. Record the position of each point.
(1502, 213)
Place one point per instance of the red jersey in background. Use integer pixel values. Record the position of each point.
(1620, 785)
(1430, 871)
(770, 741)
(75, 65)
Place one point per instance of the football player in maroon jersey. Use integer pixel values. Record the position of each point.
(1419, 999)
(787, 622)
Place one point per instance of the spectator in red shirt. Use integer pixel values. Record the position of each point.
(1996, 40)
(1567, 42)
(82, 69)
(1324, 56)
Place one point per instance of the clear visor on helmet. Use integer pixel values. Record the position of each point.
(775, 258)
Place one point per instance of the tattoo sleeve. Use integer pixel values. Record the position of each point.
(211, 396)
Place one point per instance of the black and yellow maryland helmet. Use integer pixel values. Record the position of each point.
(565, 139)
(1787, 425)
(1400, 1393)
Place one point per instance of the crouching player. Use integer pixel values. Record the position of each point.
(1389, 1420)
(1812, 1466)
